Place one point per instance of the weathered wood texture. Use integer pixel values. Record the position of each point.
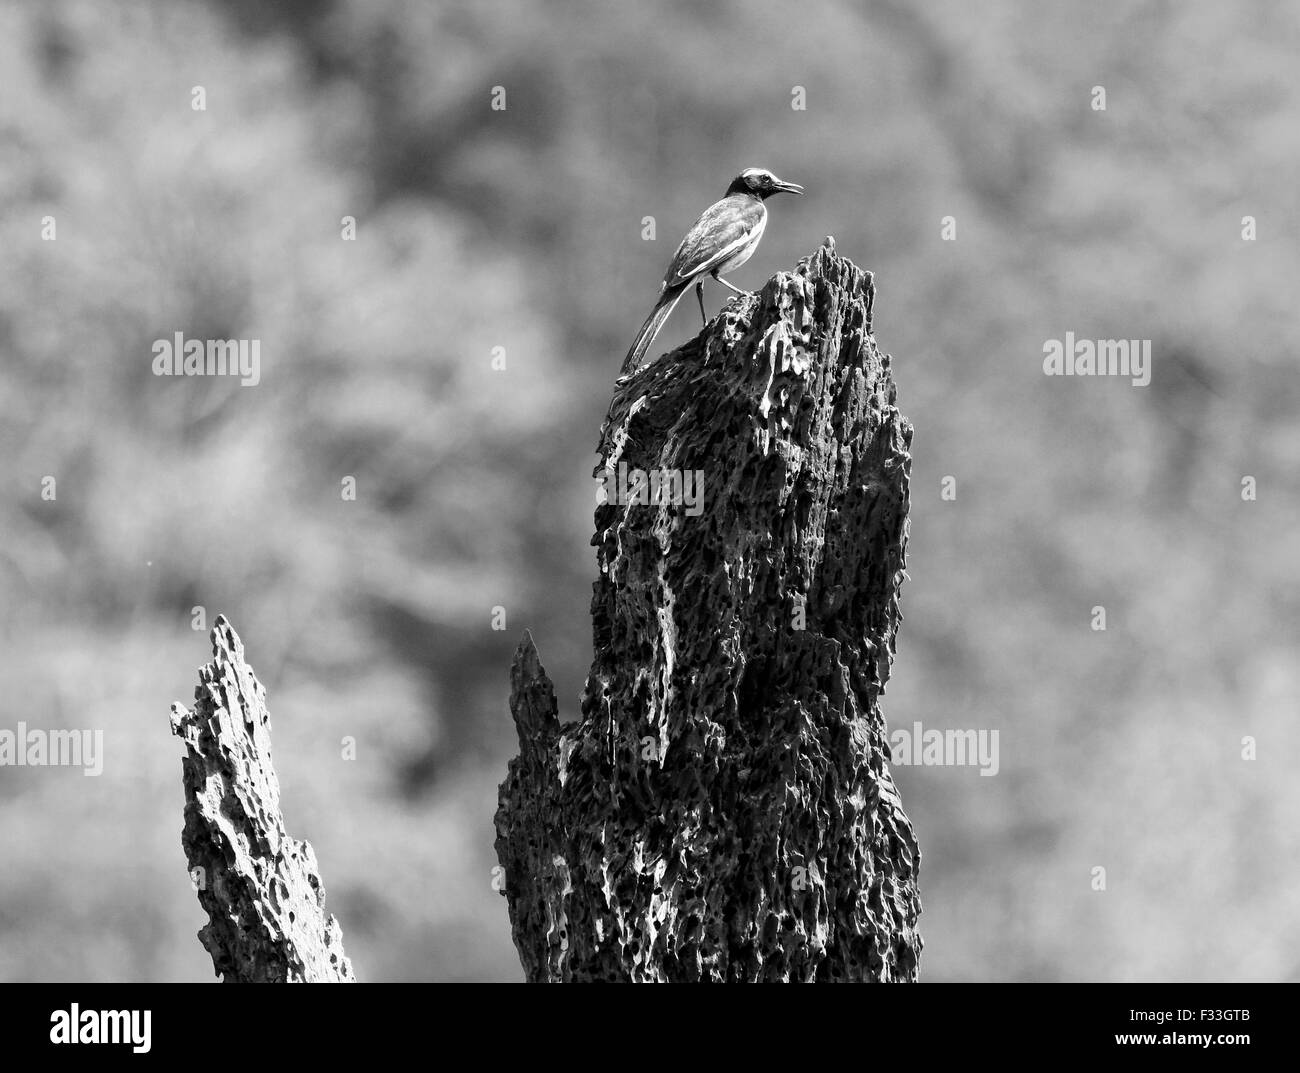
(724, 809)
(261, 889)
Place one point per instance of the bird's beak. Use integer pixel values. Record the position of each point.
(789, 188)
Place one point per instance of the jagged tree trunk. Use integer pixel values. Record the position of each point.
(261, 889)
(724, 809)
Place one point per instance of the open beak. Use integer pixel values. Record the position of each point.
(789, 188)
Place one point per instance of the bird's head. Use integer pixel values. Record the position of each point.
(761, 183)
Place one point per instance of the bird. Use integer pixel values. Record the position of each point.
(723, 238)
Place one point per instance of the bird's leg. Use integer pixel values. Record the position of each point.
(699, 293)
(718, 279)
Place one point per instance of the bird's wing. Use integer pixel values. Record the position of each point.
(721, 231)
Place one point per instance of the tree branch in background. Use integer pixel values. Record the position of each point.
(724, 810)
(261, 889)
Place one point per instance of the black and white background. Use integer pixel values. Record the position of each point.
(442, 224)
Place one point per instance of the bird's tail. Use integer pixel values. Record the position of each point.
(651, 327)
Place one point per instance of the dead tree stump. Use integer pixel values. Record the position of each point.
(724, 809)
(261, 889)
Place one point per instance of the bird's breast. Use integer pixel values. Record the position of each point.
(747, 250)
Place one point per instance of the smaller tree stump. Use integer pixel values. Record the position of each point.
(261, 889)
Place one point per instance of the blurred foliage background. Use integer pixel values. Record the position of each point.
(521, 229)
